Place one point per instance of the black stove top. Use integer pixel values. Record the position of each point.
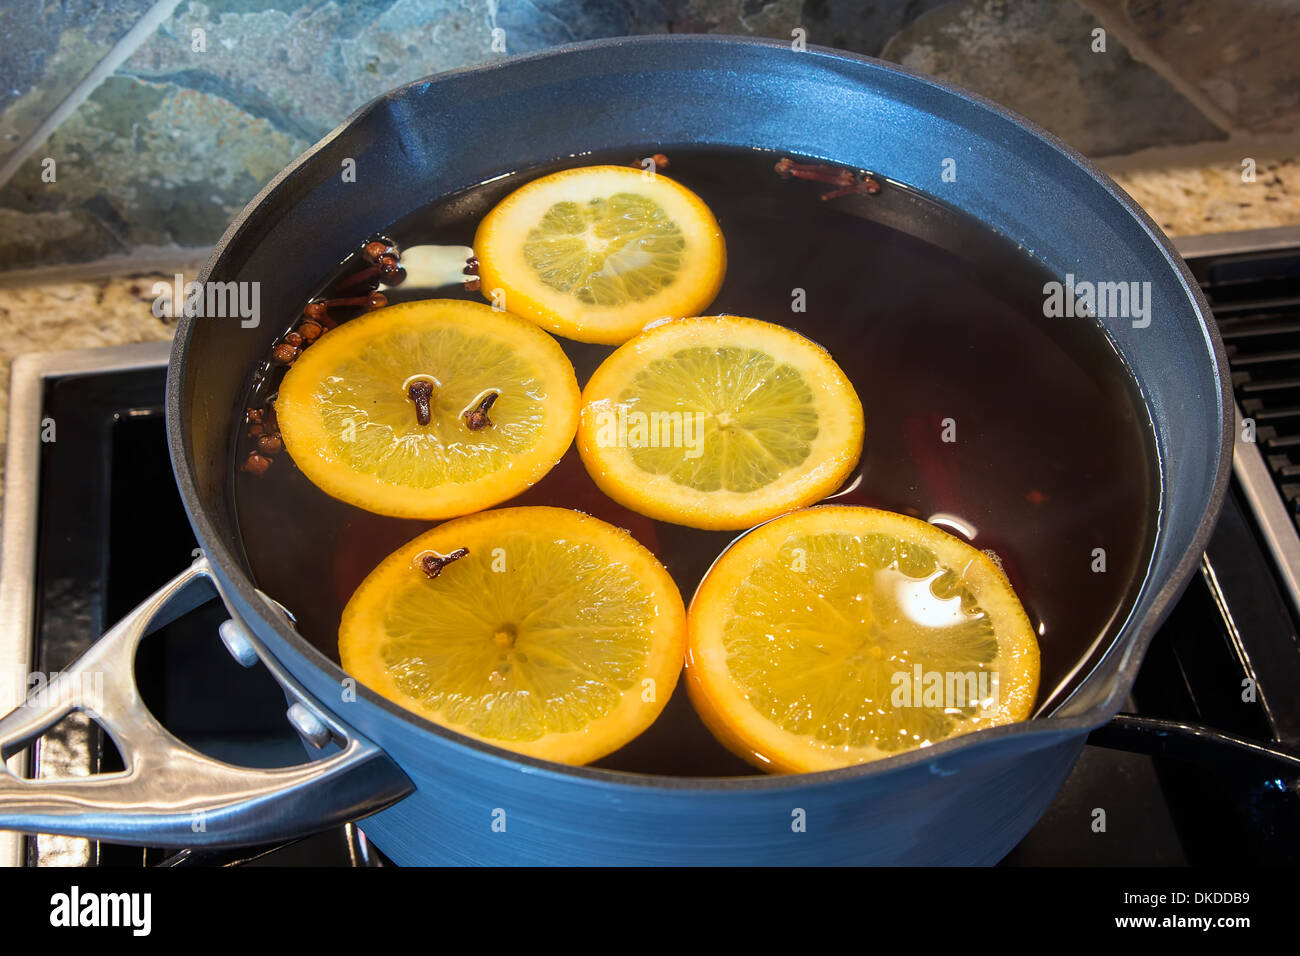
(110, 528)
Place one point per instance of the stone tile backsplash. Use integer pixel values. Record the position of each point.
(1038, 59)
(46, 50)
(201, 109)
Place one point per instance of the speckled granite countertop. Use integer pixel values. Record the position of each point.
(113, 311)
(1191, 200)
(75, 315)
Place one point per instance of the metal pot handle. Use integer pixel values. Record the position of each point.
(170, 794)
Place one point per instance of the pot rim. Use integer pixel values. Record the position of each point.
(1042, 731)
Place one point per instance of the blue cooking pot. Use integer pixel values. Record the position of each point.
(443, 798)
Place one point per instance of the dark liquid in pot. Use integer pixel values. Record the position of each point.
(933, 317)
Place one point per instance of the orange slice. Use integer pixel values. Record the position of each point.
(719, 423)
(553, 634)
(596, 253)
(348, 419)
(838, 635)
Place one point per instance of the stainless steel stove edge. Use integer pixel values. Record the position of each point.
(1232, 243)
(1248, 466)
(18, 529)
